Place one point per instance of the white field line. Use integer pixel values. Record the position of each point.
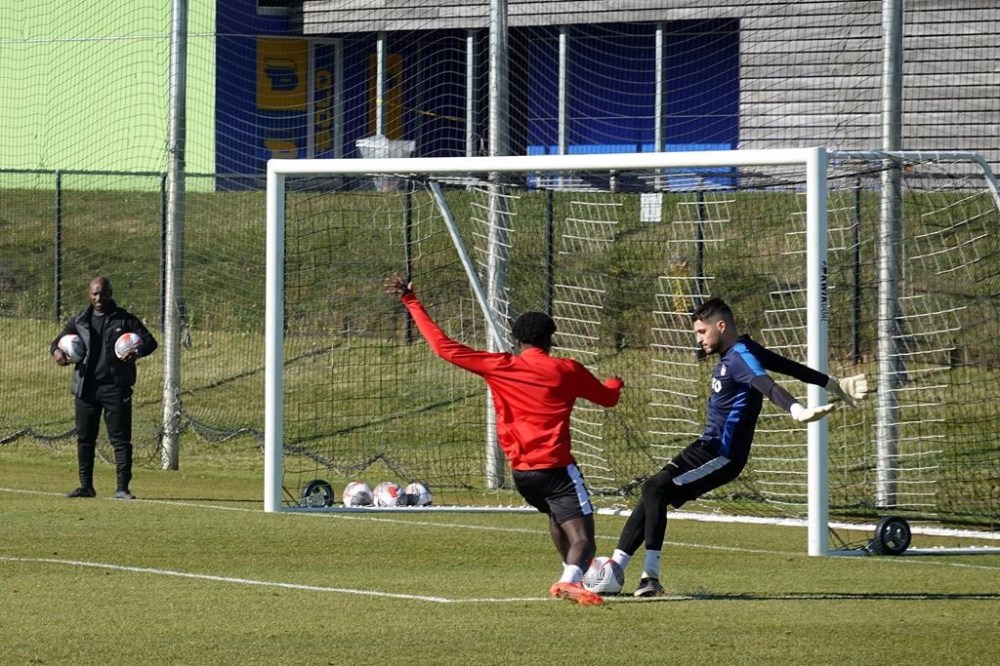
(296, 586)
(249, 581)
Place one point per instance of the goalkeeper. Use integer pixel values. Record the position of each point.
(739, 384)
(533, 395)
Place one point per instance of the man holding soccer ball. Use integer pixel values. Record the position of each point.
(533, 395)
(102, 382)
(739, 384)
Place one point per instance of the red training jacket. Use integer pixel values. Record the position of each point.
(533, 393)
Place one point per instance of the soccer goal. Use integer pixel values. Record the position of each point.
(619, 249)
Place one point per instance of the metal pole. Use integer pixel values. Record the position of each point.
(174, 237)
(274, 347)
(163, 251)
(817, 311)
(856, 276)
(659, 104)
(57, 268)
(497, 338)
(380, 65)
(563, 108)
(496, 245)
(550, 263)
(889, 367)
(471, 94)
(499, 83)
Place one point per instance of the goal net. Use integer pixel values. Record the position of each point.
(619, 249)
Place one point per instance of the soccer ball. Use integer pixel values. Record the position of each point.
(604, 577)
(389, 493)
(357, 493)
(417, 494)
(126, 343)
(72, 345)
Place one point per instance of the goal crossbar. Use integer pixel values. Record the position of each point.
(546, 163)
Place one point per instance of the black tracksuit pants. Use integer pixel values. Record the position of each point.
(115, 402)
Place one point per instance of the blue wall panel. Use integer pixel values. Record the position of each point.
(240, 129)
(611, 85)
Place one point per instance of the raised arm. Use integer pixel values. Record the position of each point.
(450, 350)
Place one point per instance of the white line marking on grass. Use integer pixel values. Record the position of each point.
(263, 583)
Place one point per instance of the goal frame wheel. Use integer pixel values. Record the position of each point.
(892, 536)
(317, 493)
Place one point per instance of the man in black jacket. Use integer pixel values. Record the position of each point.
(103, 382)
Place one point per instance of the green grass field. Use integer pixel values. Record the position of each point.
(196, 573)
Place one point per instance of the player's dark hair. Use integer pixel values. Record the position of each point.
(713, 308)
(535, 329)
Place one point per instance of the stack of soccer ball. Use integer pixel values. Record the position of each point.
(387, 493)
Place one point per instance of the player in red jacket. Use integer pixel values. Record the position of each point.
(533, 395)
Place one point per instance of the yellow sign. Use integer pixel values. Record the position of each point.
(281, 148)
(282, 74)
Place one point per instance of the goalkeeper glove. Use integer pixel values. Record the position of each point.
(848, 389)
(810, 414)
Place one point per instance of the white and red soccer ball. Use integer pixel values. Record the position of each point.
(357, 493)
(126, 344)
(388, 493)
(72, 345)
(604, 577)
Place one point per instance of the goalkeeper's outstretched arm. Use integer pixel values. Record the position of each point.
(782, 398)
(849, 389)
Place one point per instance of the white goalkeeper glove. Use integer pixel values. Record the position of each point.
(810, 414)
(848, 389)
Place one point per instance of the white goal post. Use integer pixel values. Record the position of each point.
(661, 170)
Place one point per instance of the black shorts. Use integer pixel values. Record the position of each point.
(559, 492)
(698, 469)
